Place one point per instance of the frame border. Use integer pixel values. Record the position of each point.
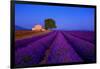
(12, 30)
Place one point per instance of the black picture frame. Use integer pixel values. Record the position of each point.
(12, 29)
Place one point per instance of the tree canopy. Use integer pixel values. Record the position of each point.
(49, 24)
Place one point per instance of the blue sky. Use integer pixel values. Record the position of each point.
(66, 18)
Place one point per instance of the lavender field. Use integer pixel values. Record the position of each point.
(55, 47)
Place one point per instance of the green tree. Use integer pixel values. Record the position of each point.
(49, 24)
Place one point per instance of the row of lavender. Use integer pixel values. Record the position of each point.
(84, 46)
(34, 52)
(24, 42)
(54, 48)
